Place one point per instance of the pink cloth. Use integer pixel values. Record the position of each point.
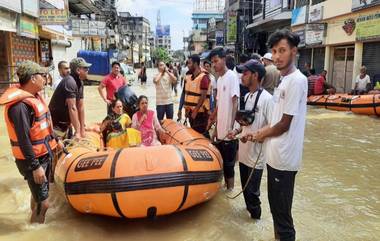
(146, 128)
(112, 84)
(318, 86)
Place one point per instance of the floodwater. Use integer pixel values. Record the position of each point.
(337, 193)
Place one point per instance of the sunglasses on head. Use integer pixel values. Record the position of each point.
(44, 75)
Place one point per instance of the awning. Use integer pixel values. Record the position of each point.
(272, 20)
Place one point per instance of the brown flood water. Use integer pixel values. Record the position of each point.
(337, 194)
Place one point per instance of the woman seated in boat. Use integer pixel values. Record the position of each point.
(146, 122)
(115, 128)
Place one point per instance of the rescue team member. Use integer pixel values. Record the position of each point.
(225, 112)
(31, 134)
(197, 95)
(257, 107)
(66, 104)
(285, 132)
(110, 84)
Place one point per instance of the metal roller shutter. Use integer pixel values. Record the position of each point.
(371, 58)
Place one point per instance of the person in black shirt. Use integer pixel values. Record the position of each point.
(66, 105)
(30, 133)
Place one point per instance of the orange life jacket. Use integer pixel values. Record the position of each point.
(41, 131)
(193, 93)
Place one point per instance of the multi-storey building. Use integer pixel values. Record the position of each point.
(136, 30)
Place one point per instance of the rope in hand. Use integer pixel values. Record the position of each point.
(250, 174)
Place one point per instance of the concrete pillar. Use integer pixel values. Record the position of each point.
(328, 65)
(358, 61)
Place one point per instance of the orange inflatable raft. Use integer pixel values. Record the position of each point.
(359, 104)
(140, 182)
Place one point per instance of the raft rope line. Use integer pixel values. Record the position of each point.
(250, 174)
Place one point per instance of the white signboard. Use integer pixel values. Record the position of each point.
(314, 34)
(84, 31)
(359, 4)
(315, 13)
(299, 16)
(31, 7)
(8, 21)
(93, 28)
(84, 27)
(13, 5)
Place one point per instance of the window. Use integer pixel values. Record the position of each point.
(313, 2)
(257, 7)
(301, 3)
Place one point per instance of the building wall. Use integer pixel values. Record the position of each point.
(335, 13)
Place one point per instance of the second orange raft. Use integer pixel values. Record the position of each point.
(358, 104)
(141, 181)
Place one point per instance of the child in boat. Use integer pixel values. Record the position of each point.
(146, 122)
(117, 116)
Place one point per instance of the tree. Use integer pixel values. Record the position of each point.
(161, 54)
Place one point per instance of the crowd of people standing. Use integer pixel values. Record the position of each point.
(257, 110)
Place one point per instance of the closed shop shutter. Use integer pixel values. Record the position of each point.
(371, 58)
(319, 60)
(304, 57)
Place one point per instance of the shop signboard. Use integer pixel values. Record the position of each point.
(8, 21)
(360, 4)
(301, 35)
(314, 34)
(85, 28)
(315, 13)
(31, 7)
(13, 5)
(368, 27)
(231, 26)
(299, 16)
(28, 27)
(57, 14)
(219, 38)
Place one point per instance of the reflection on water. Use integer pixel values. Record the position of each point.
(337, 196)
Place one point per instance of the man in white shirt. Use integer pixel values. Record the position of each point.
(285, 132)
(225, 112)
(361, 82)
(64, 70)
(255, 115)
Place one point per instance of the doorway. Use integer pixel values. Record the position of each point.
(343, 65)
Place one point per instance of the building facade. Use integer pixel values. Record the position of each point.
(206, 13)
(339, 36)
(136, 31)
(267, 17)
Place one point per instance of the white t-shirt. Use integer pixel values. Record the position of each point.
(249, 151)
(285, 152)
(362, 83)
(56, 82)
(213, 82)
(228, 87)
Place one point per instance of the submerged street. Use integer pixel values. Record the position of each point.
(336, 193)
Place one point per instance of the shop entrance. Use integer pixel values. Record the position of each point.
(343, 68)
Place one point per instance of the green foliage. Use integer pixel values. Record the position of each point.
(161, 54)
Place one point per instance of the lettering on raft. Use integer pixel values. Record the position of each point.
(199, 155)
(90, 163)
